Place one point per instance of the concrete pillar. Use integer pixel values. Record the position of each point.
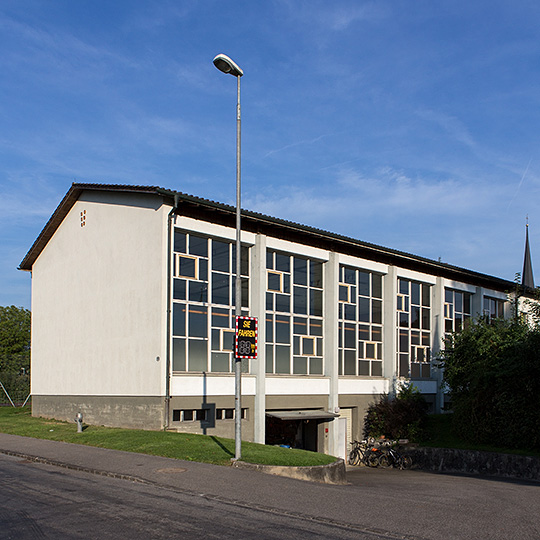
(331, 284)
(390, 364)
(258, 309)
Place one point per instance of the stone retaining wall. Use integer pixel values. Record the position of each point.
(476, 462)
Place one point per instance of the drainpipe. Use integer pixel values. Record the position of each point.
(169, 308)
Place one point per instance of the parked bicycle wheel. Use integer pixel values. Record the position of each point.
(405, 462)
(385, 461)
(373, 458)
(354, 457)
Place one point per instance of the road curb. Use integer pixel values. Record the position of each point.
(64, 465)
(333, 473)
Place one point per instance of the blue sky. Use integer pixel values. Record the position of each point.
(409, 124)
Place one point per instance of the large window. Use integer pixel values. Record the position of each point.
(493, 308)
(360, 322)
(413, 329)
(204, 272)
(294, 315)
(457, 310)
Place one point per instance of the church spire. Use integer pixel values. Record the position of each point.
(527, 278)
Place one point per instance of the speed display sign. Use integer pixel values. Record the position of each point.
(246, 337)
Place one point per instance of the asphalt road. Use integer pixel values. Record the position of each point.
(44, 501)
(179, 499)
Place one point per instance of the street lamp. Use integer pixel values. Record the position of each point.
(226, 65)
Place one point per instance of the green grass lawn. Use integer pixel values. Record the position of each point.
(206, 449)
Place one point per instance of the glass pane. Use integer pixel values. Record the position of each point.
(363, 283)
(363, 309)
(300, 271)
(315, 366)
(269, 301)
(426, 293)
(198, 291)
(376, 311)
(363, 332)
(315, 275)
(203, 269)
(244, 263)
(296, 345)
(198, 245)
(315, 302)
(216, 339)
(404, 341)
(308, 346)
(349, 363)
(319, 346)
(415, 293)
(269, 260)
(449, 296)
(179, 289)
(220, 289)
(283, 329)
(198, 321)
(376, 284)
(415, 317)
(220, 256)
(300, 300)
(426, 316)
(315, 327)
(349, 335)
(283, 359)
(300, 326)
(349, 312)
(363, 367)
(349, 275)
(300, 365)
(274, 281)
(197, 355)
(186, 267)
(179, 354)
(283, 302)
(403, 365)
(415, 338)
(286, 283)
(467, 303)
(376, 333)
(376, 369)
(269, 328)
(403, 319)
(228, 341)
(179, 319)
(403, 286)
(269, 359)
(245, 292)
(425, 339)
(370, 350)
(220, 318)
(220, 362)
(283, 262)
(458, 304)
(179, 241)
(343, 293)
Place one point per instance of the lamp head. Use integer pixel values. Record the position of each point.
(225, 64)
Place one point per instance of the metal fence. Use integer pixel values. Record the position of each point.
(14, 389)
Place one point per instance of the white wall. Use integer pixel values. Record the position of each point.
(99, 300)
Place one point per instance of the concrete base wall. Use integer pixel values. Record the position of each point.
(218, 428)
(112, 411)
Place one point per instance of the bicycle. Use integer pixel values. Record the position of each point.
(365, 452)
(392, 458)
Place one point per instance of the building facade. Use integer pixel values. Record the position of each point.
(133, 292)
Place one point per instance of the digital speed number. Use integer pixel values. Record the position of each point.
(246, 337)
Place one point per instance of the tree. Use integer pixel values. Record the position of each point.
(493, 371)
(14, 338)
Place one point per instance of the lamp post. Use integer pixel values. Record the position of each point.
(226, 65)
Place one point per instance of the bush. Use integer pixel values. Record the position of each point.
(402, 417)
(493, 372)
